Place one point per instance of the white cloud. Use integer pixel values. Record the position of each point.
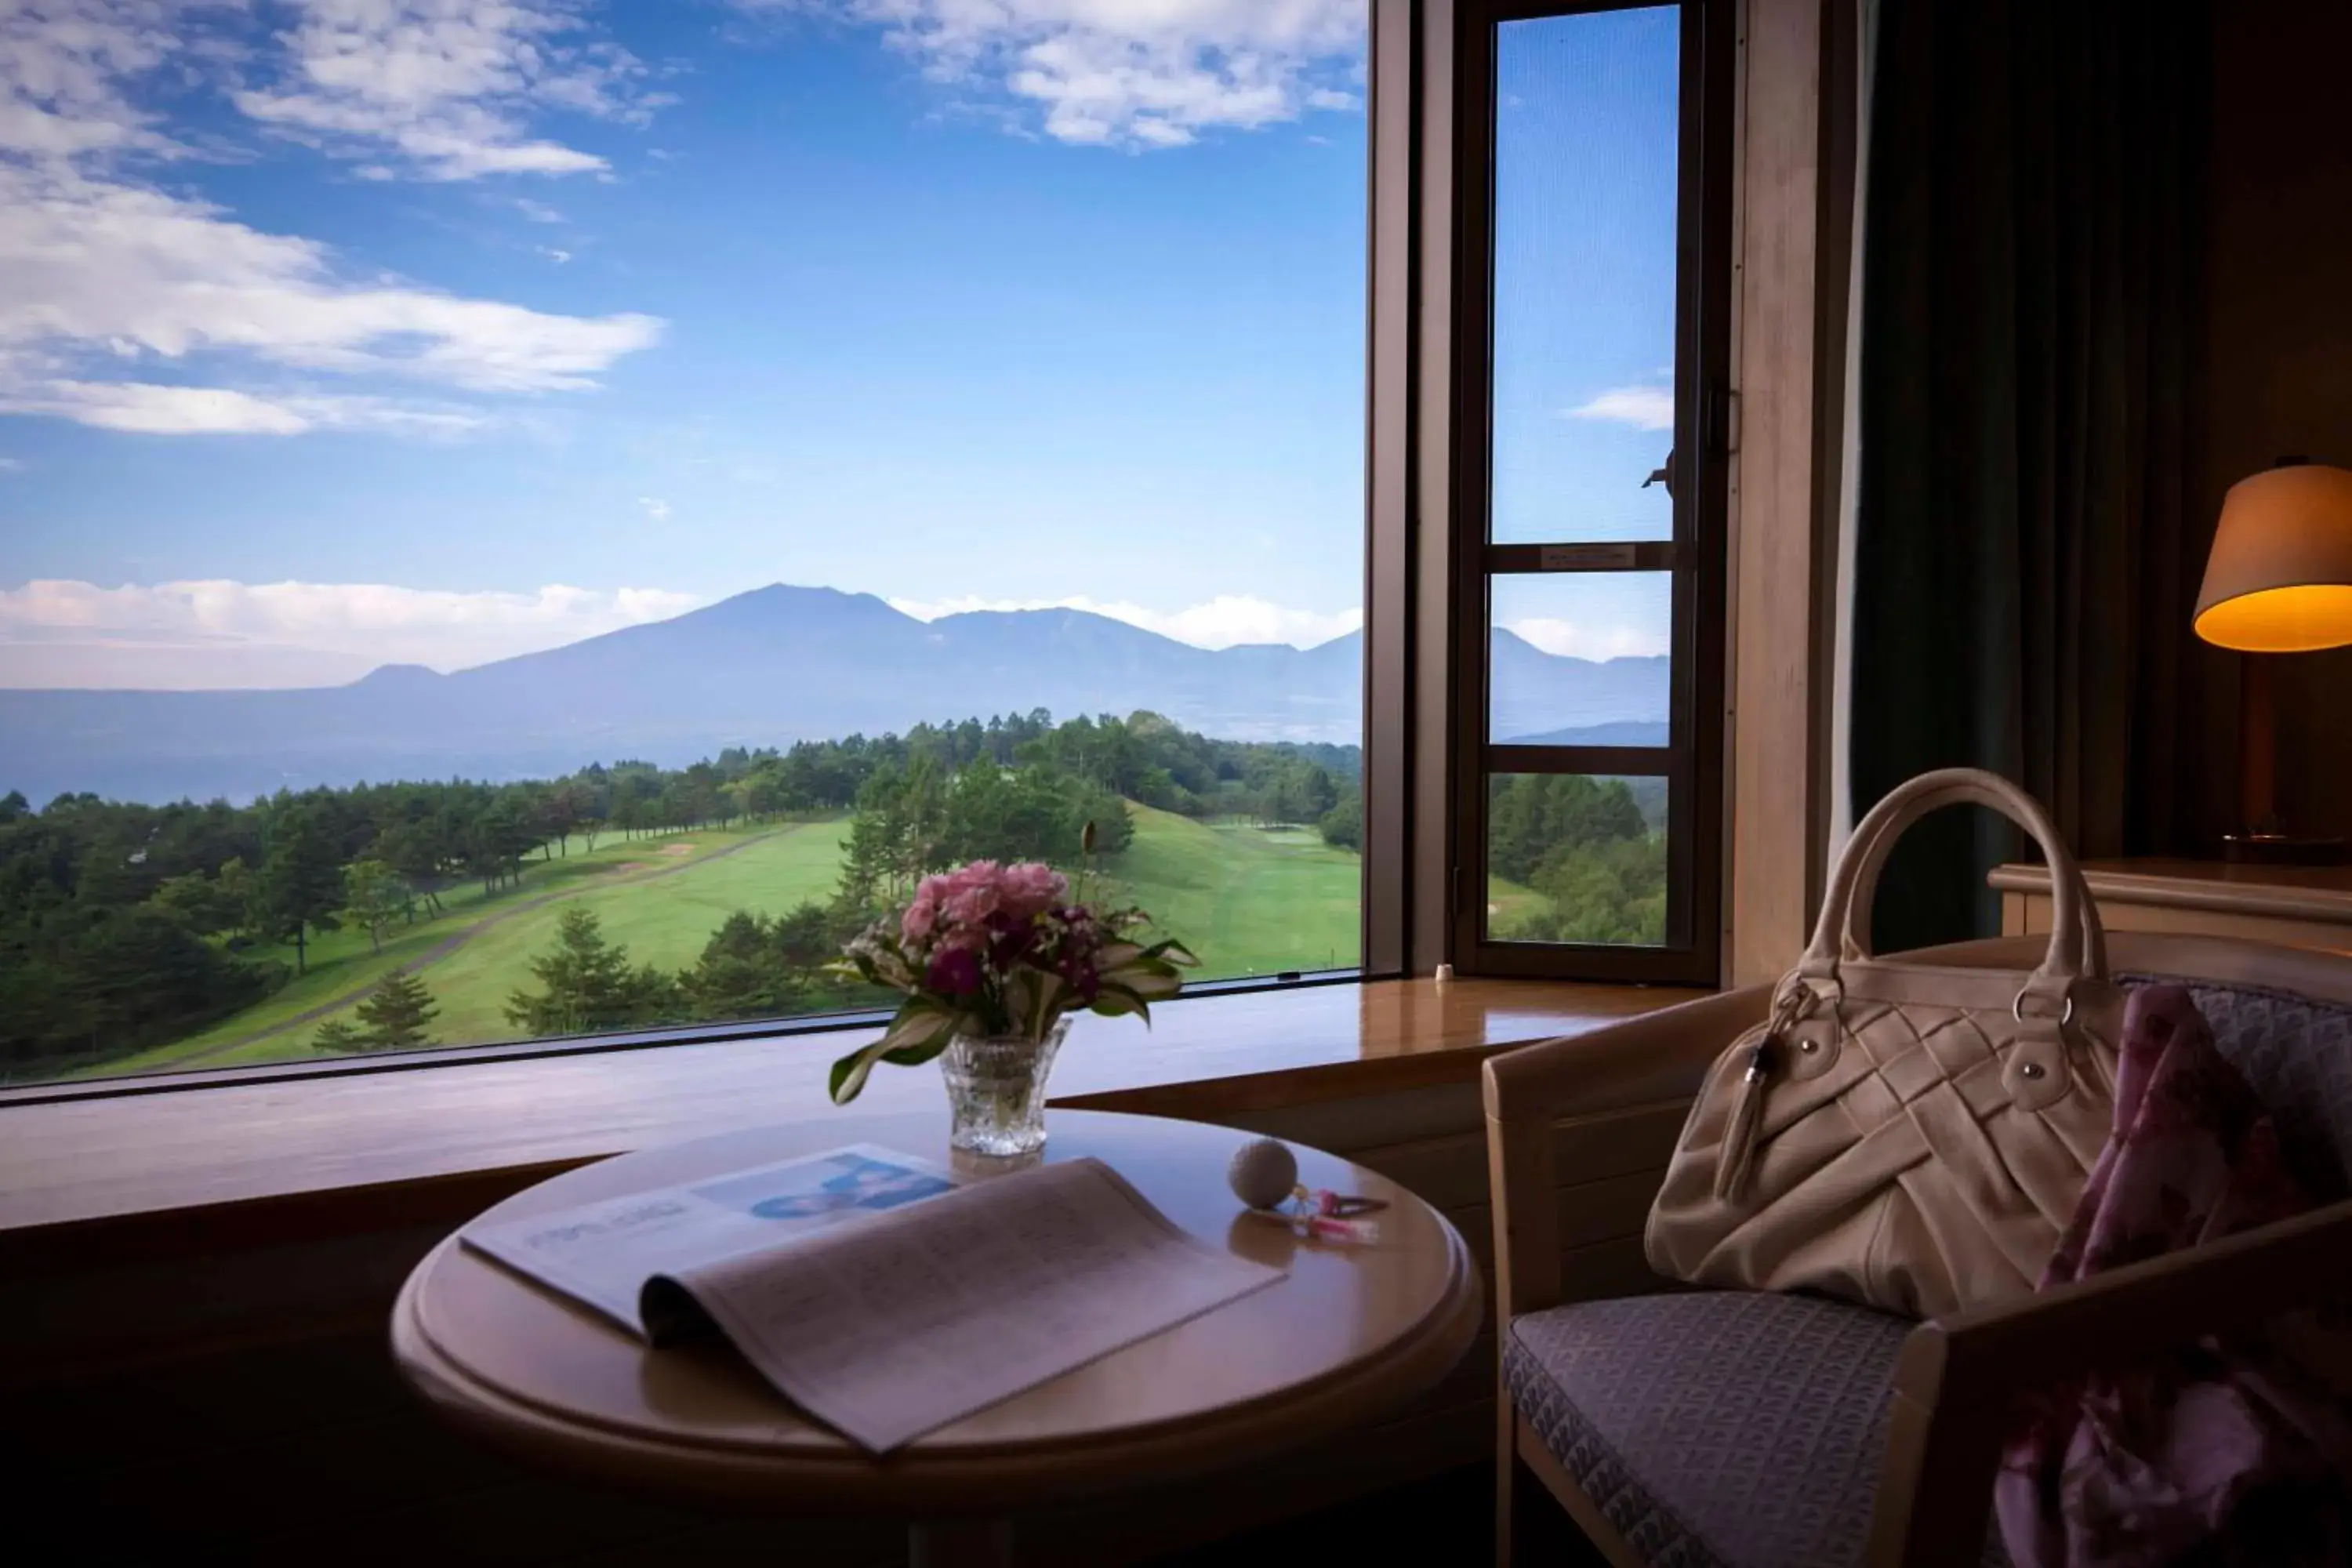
(1222, 622)
(149, 409)
(101, 262)
(134, 633)
(62, 63)
(554, 255)
(1132, 73)
(1580, 639)
(12, 465)
(538, 212)
(450, 85)
(656, 508)
(106, 272)
(1642, 407)
(155, 410)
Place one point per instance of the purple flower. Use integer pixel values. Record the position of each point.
(955, 971)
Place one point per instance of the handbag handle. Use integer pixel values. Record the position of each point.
(2077, 940)
(1855, 943)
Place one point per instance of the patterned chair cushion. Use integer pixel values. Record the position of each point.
(2297, 1055)
(1716, 1429)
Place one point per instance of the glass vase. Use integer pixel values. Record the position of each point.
(996, 1090)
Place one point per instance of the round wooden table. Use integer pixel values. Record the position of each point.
(1351, 1332)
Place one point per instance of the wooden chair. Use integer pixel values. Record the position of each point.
(1751, 1430)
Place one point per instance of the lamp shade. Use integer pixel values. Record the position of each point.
(2278, 579)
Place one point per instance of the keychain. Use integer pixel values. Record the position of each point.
(1265, 1175)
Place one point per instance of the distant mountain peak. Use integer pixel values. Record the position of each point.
(768, 666)
(791, 596)
(398, 677)
(1506, 638)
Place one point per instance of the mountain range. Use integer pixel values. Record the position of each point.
(765, 668)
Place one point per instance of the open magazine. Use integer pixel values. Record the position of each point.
(875, 1290)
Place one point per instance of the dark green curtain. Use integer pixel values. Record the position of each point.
(2025, 557)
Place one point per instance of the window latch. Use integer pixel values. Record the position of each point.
(1719, 420)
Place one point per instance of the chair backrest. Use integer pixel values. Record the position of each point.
(2283, 1015)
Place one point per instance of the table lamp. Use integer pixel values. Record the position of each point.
(2279, 580)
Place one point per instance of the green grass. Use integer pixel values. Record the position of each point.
(1249, 900)
(471, 985)
(664, 922)
(1508, 905)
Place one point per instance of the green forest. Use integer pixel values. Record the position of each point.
(1590, 851)
(393, 916)
(125, 928)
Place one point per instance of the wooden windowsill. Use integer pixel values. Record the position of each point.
(204, 1164)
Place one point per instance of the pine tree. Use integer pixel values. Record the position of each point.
(395, 1013)
(338, 1034)
(373, 897)
(866, 860)
(301, 885)
(237, 893)
(589, 985)
(744, 972)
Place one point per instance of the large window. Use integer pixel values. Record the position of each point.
(540, 524)
(1588, 460)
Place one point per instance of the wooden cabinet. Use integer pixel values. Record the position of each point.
(2295, 906)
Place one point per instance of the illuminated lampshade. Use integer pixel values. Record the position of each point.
(2279, 577)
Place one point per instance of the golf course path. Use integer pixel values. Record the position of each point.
(458, 939)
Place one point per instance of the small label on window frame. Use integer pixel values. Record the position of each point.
(1586, 557)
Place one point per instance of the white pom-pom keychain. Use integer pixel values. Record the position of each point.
(1264, 1172)
(1265, 1175)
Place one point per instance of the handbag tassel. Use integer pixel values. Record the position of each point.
(1738, 1154)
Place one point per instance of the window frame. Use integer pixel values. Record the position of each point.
(1693, 761)
(1426, 561)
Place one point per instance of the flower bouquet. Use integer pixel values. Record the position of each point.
(993, 960)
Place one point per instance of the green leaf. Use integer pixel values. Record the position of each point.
(849, 1073)
(1115, 1000)
(1048, 1004)
(915, 1036)
(915, 1026)
(1151, 978)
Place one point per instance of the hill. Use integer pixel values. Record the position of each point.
(1627, 733)
(1250, 901)
(764, 668)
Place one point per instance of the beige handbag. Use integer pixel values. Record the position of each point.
(1909, 1135)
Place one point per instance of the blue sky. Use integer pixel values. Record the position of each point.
(437, 331)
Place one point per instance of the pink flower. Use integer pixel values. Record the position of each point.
(1029, 889)
(971, 906)
(915, 925)
(983, 909)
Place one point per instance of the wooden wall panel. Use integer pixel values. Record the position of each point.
(1592, 1148)
(1778, 693)
(1595, 1212)
(1358, 1125)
